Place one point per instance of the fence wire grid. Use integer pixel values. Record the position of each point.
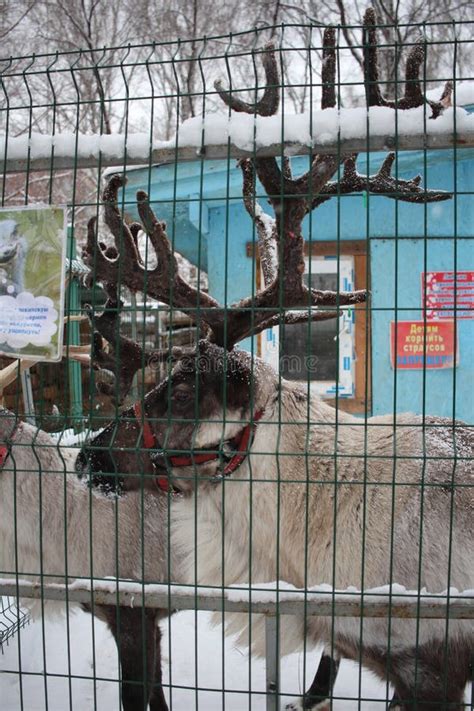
(262, 412)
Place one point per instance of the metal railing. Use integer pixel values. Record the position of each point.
(12, 618)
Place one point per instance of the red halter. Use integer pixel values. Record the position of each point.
(4, 452)
(241, 451)
(148, 436)
(5, 448)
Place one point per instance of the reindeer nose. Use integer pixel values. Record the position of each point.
(158, 459)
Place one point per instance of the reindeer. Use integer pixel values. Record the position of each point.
(52, 524)
(274, 483)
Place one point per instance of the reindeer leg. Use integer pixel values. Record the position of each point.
(134, 631)
(323, 683)
(430, 677)
(157, 700)
(318, 694)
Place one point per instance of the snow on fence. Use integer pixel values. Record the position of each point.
(268, 599)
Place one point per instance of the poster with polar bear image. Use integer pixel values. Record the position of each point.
(32, 284)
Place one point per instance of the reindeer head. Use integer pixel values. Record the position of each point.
(196, 421)
(199, 421)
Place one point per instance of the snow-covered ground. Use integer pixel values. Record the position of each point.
(198, 654)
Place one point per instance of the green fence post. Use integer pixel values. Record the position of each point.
(74, 339)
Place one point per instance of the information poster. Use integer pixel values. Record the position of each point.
(416, 345)
(32, 284)
(448, 295)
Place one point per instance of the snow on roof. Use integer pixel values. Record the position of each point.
(319, 127)
(69, 144)
(314, 128)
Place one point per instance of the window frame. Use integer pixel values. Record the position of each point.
(361, 400)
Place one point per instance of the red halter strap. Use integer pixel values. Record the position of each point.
(244, 445)
(4, 452)
(242, 448)
(149, 443)
(6, 447)
(239, 456)
(148, 436)
(163, 483)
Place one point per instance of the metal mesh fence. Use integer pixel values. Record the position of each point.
(263, 275)
(11, 619)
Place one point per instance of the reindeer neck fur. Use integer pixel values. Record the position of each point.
(233, 511)
(287, 515)
(293, 502)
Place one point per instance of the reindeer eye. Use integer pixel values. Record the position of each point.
(182, 394)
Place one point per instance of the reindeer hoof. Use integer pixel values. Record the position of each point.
(299, 705)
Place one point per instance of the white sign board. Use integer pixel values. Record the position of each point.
(32, 284)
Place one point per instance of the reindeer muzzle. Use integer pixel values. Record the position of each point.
(97, 467)
(233, 452)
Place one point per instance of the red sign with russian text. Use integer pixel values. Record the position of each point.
(416, 345)
(448, 295)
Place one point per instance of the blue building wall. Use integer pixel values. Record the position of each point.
(202, 204)
(396, 267)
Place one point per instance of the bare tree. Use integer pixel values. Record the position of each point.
(158, 71)
(12, 15)
(64, 88)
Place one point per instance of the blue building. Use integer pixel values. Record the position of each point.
(360, 241)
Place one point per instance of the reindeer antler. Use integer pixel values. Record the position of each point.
(382, 183)
(270, 101)
(285, 298)
(413, 95)
(280, 240)
(281, 236)
(118, 366)
(122, 264)
(267, 235)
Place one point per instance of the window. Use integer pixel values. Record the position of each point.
(330, 354)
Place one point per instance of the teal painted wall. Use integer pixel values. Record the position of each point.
(396, 267)
(202, 204)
